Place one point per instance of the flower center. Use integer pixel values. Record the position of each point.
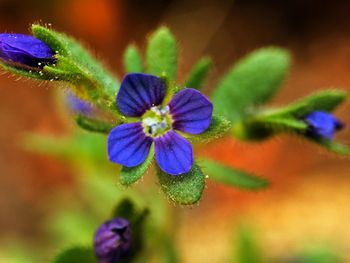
(157, 121)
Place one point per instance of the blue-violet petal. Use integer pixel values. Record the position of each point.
(112, 240)
(128, 145)
(191, 111)
(139, 92)
(322, 124)
(25, 50)
(173, 153)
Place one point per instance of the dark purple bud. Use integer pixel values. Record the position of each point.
(113, 240)
(25, 51)
(322, 124)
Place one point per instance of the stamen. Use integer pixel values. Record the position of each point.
(157, 121)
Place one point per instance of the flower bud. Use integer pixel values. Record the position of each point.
(322, 125)
(25, 51)
(112, 240)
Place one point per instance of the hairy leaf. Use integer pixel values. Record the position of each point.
(247, 250)
(332, 146)
(233, 177)
(162, 53)
(284, 124)
(78, 58)
(93, 125)
(252, 81)
(132, 60)
(198, 74)
(130, 175)
(185, 189)
(325, 100)
(218, 127)
(76, 255)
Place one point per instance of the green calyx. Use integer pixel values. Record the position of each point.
(157, 121)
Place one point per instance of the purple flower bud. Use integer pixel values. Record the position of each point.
(322, 124)
(25, 51)
(113, 240)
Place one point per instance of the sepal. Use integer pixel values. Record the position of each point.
(130, 175)
(185, 189)
(219, 126)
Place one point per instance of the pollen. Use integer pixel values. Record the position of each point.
(157, 121)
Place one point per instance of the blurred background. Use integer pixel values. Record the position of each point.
(307, 205)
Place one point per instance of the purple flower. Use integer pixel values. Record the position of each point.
(322, 124)
(78, 105)
(142, 96)
(25, 50)
(112, 240)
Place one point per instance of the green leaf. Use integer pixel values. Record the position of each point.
(22, 72)
(125, 209)
(318, 255)
(73, 58)
(185, 189)
(88, 146)
(218, 127)
(331, 146)
(198, 74)
(268, 122)
(130, 175)
(76, 255)
(325, 100)
(162, 53)
(284, 124)
(247, 248)
(233, 177)
(253, 81)
(93, 125)
(132, 60)
(55, 40)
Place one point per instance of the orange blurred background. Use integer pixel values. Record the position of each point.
(309, 198)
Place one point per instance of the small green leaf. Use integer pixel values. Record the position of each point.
(185, 189)
(247, 250)
(198, 74)
(233, 177)
(284, 124)
(53, 39)
(76, 255)
(318, 255)
(325, 100)
(90, 147)
(162, 53)
(332, 146)
(73, 58)
(94, 125)
(252, 81)
(129, 176)
(218, 127)
(65, 69)
(132, 60)
(34, 74)
(125, 209)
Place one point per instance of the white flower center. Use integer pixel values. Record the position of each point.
(157, 121)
